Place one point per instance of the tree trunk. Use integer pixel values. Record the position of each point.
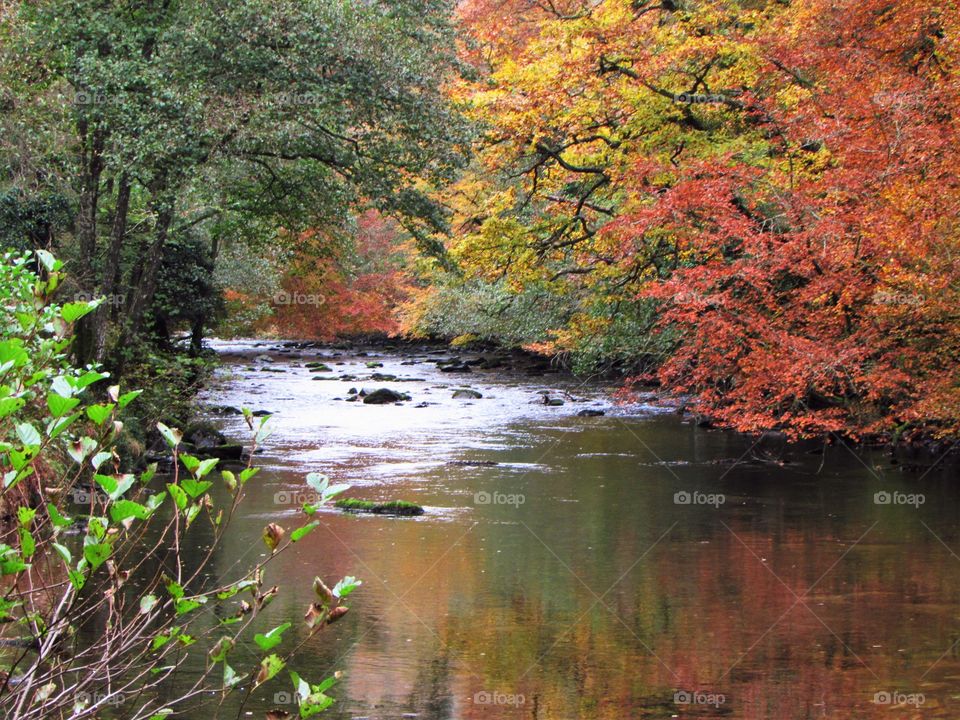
(111, 271)
(91, 160)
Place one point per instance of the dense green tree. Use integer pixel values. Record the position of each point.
(231, 122)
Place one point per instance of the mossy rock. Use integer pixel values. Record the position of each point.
(394, 507)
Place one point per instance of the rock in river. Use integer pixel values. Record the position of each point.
(466, 394)
(384, 396)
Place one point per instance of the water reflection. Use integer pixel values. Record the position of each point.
(598, 595)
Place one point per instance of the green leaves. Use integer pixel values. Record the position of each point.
(312, 698)
(346, 586)
(28, 435)
(270, 640)
(71, 312)
(172, 436)
(60, 405)
(269, 667)
(95, 553)
(303, 531)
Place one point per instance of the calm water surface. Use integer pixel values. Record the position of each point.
(571, 580)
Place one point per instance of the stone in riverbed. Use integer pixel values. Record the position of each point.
(591, 413)
(456, 369)
(394, 507)
(466, 394)
(384, 396)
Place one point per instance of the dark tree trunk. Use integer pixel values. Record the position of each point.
(91, 159)
(111, 271)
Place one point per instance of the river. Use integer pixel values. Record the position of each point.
(629, 565)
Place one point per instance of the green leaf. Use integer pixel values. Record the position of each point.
(77, 579)
(123, 509)
(59, 405)
(27, 544)
(55, 427)
(218, 653)
(303, 531)
(96, 553)
(128, 398)
(175, 590)
(49, 262)
(25, 515)
(99, 459)
(173, 436)
(89, 378)
(182, 607)
(346, 586)
(81, 448)
(73, 311)
(58, 520)
(178, 495)
(194, 488)
(63, 552)
(9, 405)
(100, 413)
(190, 462)
(192, 513)
(28, 435)
(206, 466)
(270, 640)
(147, 603)
(247, 473)
(148, 474)
(269, 667)
(230, 677)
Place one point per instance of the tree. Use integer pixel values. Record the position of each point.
(176, 117)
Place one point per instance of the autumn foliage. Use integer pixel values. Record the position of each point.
(777, 179)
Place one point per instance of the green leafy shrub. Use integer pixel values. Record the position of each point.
(87, 546)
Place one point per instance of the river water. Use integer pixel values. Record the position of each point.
(631, 565)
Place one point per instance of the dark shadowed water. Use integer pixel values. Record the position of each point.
(573, 579)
